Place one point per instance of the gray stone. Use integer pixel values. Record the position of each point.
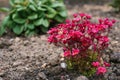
(42, 75)
(118, 66)
(53, 59)
(1, 78)
(82, 78)
(115, 57)
(112, 76)
(17, 39)
(2, 72)
(118, 72)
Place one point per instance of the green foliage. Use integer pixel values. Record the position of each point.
(116, 4)
(30, 17)
(83, 65)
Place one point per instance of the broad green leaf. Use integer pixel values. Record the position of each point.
(59, 18)
(18, 6)
(2, 30)
(44, 29)
(38, 22)
(5, 21)
(49, 9)
(41, 15)
(41, 9)
(30, 26)
(63, 13)
(44, 1)
(33, 16)
(50, 15)
(11, 2)
(11, 24)
(18, 1)
(30, 33)
(45, 23)
(4, 10)
(51, 12)
(18, 19)
(18, 29)
(21, 9)
(32, 7)
(54, 5)
(32, 1)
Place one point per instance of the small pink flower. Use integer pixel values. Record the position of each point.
(101, 70)
(113, 21)
(52, 39)
(106, 64)
(94, 30)
(75, 15)
(96, 64)
(67, 53)
(67, 21)
(82, 14)
(88, 16)
(75, 52)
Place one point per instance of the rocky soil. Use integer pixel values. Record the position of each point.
(35, 59)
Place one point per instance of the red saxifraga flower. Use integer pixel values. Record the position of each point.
(80, 35)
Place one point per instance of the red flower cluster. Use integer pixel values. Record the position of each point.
(100, 69)
(81, 34)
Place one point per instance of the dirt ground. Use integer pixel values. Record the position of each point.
(35, 59)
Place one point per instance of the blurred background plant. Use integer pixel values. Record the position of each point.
(31, 17)
(116, 4)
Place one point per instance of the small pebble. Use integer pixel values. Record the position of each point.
(63, 65)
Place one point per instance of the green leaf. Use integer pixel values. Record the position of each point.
(33, 2)
(18, 19)
(18, 29)
(59, 19)
(4, 25)
(51, 12)
(30, 33)
(44, 1)
(32, 7)
(18, 6)
(30, 26)
(45, 23)
(4, 10)
(33, 16)
(11, 24)
(63, 13)
(21, 9)
(41, 9)
(12, 2)
(44, 29)
(38, 22)
(5, 21)
(2, 30)
(50, 15)
(41, 15)
(57, 4)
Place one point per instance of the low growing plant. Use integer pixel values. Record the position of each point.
(32, 16)
(83, 42)
(116, 4)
